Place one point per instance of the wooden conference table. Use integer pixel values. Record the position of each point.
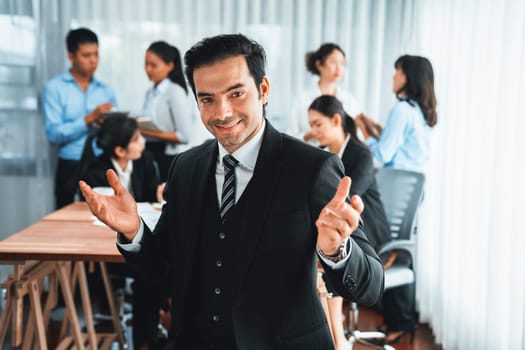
(56, 248)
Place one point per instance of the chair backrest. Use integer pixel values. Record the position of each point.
(401, 193)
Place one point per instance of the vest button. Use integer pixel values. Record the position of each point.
(222, 235)
(219, 263)
(215, 318)
(217, 291)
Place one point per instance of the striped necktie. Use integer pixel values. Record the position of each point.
(228, 187)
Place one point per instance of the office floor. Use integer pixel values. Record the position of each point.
(368, 320)
(423, 340)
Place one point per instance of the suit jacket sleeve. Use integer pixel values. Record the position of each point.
(362, 278)
(152, 260)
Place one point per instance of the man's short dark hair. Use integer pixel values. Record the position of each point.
(220, 47)
(77, 37)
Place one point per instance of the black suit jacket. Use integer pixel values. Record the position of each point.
(359, 165)
(144, 178)
(275, 303)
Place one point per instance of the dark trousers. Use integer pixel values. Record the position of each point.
(163, 160)
(399, 304)
(399, 308)
(65, 182)
(147, 301)
(203, 341)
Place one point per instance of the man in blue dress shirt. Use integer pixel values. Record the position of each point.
(72, 104)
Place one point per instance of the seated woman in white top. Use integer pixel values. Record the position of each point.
(167, 104)
(328, 62)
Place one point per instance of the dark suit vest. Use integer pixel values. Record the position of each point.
(209, 312)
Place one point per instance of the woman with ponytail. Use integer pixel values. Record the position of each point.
(333, 128)
(123, 151)
(122, 148)
(167, 104)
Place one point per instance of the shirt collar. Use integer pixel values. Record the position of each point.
(343, 146)
(163, 85)
(120, 173)
(67, 76)
(247, 153)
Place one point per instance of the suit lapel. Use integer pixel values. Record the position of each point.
(258, 203)
(199, 177)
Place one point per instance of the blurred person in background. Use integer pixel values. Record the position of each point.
(123, 151)
(333, 128)
(167, 104)
(72, 104)
(327, 62)
(404, 143)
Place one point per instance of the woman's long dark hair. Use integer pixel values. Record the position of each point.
(169, 53)
(320, 55)
(329, 105)
(114, 131)
(419, 86)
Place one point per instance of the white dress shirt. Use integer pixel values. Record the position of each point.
(247, 157)
(171, 109)
(124, 176)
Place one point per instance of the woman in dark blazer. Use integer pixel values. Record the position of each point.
(123, 150)
(336, 130)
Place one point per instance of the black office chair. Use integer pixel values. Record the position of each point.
(401, 193)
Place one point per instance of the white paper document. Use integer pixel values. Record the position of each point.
(149, 212)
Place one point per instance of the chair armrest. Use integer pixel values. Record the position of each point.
(398, 244)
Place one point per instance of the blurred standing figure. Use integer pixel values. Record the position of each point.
(167, 104)
(404, 143)
(328, 62)
(72, 103)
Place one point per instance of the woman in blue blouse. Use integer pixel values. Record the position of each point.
(404, 143)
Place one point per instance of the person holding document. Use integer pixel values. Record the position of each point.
(167, 107)
(72, 105)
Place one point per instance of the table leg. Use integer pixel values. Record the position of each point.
(30, 330)
(6, 314)
(18, 311)
(34, 295)
(86, 304)
(111, 302)
(70, 304)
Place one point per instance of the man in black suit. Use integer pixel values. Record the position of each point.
(244, 277)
